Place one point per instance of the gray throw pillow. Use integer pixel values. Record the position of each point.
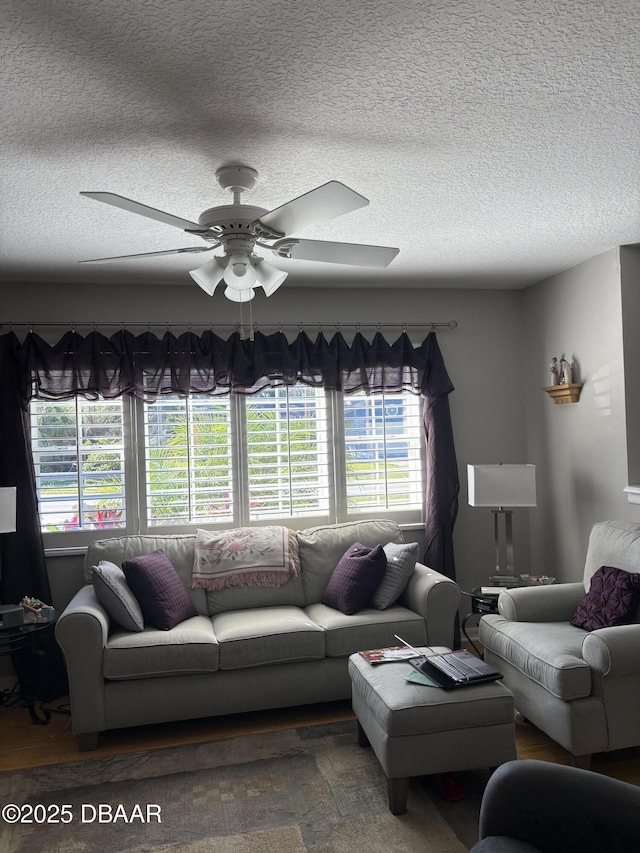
(113, 593)
(401, 564)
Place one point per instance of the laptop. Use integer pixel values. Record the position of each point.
(452, 669)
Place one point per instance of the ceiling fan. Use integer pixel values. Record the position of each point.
(239, 228)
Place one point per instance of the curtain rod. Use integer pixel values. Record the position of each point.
(451, 324)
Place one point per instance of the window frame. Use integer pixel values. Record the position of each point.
(135, 481)
(81, 538)
(143, 526)
(409, 515)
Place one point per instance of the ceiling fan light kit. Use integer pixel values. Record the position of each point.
(209, 275)
(239, 295)
(239, 228)
(269, 277)
(239, 272)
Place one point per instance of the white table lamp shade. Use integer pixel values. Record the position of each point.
(8, 509)
(502, 485)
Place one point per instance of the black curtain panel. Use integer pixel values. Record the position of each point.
(442, 484)
(147, 366)
(23, 565)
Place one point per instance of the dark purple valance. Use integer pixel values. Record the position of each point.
(146, 366)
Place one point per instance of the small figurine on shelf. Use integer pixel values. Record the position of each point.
(553, 370)
(566, 372)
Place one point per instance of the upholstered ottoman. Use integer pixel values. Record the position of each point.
(418, 731)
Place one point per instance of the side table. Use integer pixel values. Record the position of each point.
(25, 643)
(481, 603)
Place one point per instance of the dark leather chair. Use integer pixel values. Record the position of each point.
(539, 807)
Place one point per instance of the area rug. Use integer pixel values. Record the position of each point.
(301, 790)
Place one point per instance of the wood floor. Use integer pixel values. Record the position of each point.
(23, 744)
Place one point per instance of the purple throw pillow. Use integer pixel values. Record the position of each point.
(612, 599)
(159, 591)
(355, 578)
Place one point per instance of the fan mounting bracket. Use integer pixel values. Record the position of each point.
(266, 233)
(284, 248)
(211, 235)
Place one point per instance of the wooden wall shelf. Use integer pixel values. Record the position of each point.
(564, 393)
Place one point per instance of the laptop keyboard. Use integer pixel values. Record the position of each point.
(459, 670)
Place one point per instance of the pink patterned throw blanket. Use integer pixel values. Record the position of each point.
(246, 556)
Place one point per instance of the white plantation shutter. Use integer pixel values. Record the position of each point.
(78, 455)
(293, 455)
(287, 453)
(383, 452)
(188, 460)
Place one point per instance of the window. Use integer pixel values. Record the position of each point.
(78, 454)
(383, 452)
(175, 463)
(287, 453)
(188, 460)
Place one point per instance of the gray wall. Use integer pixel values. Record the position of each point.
(630, 283)
(580, 449)
(483, 356)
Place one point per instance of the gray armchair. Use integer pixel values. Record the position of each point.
(582, 688)
(539, 807)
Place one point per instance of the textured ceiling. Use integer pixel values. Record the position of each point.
(496, 140)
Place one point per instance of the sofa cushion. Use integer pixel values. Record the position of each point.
(321, 548)
(401, 564)
(267, 635)
(612, 600)
(155, 583)
(179, 549)
(368, 629)
(355, 578)
(250, 597)
(113, 593)
(550, 653)
(190, 647)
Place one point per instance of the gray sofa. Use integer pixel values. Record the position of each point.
(582, 688)
(249, 648)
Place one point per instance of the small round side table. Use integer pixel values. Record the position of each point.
(24, 640)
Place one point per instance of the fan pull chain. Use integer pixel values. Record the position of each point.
(241, 324)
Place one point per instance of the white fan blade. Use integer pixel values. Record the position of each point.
(150, 254)
(144, 210)
(319, 205)
(355, 254)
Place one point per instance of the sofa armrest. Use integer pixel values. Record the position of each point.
(553, 603)
(613, 651)
(436, 598)
(81, 632)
